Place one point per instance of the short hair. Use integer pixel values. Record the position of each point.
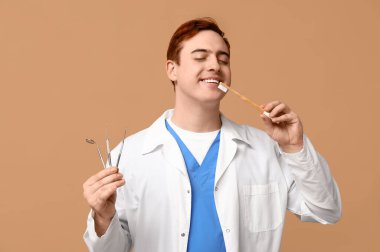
(187, 31)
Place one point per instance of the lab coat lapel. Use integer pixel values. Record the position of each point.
(227, 151)
(232, 134)
(158, 136)
(173, 155)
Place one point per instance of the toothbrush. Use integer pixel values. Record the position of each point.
(222, 86)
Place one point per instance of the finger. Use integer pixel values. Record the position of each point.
(267, 123)
(269, 106)
(105, 181)
(278, 110)
(285, 118)
(105, 192)
(100, 175)
(98, 199)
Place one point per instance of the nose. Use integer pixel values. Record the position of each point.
(213, 64)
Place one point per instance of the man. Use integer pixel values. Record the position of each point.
(196, 181)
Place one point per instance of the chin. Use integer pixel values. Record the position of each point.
(211, 99)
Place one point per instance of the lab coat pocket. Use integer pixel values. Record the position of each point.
(262, 207)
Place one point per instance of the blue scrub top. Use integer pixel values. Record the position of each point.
(205, 231)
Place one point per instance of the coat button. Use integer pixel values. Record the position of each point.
(228, 230)
(183, 234)
(216, 188)
(188, 191)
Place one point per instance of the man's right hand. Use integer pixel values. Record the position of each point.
(100, 193)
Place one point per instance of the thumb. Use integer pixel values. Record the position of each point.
(267, 123)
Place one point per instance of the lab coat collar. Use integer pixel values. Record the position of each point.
(158, 135)
(234, 131)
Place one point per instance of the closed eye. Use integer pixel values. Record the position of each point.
(224, 62)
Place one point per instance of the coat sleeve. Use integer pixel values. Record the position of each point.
(117, 238)
(313, 194)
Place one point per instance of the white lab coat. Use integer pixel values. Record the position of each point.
(255, 182)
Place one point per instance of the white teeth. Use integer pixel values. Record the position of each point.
(211, 81)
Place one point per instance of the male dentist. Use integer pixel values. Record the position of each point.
(196, 181)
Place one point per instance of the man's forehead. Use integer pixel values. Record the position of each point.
(209, 41)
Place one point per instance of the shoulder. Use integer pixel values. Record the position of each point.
(136, 139)
(257, 134)
(259, 138)
(131, 148)
(249, 134)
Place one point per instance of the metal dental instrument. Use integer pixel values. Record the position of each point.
(108, 149)
(121, 149)
(91, 141)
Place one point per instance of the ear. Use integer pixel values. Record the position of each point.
(171, 70)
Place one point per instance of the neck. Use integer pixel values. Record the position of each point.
(197, 117)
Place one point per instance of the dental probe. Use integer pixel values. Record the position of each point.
(121, 150)
(108, 149)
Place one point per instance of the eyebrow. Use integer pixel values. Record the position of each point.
(208, 51)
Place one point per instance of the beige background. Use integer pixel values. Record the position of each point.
(68, 69)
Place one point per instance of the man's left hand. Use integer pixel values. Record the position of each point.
(283, 126)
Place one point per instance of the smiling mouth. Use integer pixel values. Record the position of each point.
(211, 81)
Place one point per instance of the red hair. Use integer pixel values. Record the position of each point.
(187, 31)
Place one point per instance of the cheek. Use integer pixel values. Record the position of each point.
(191, 71)
(227, 73)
